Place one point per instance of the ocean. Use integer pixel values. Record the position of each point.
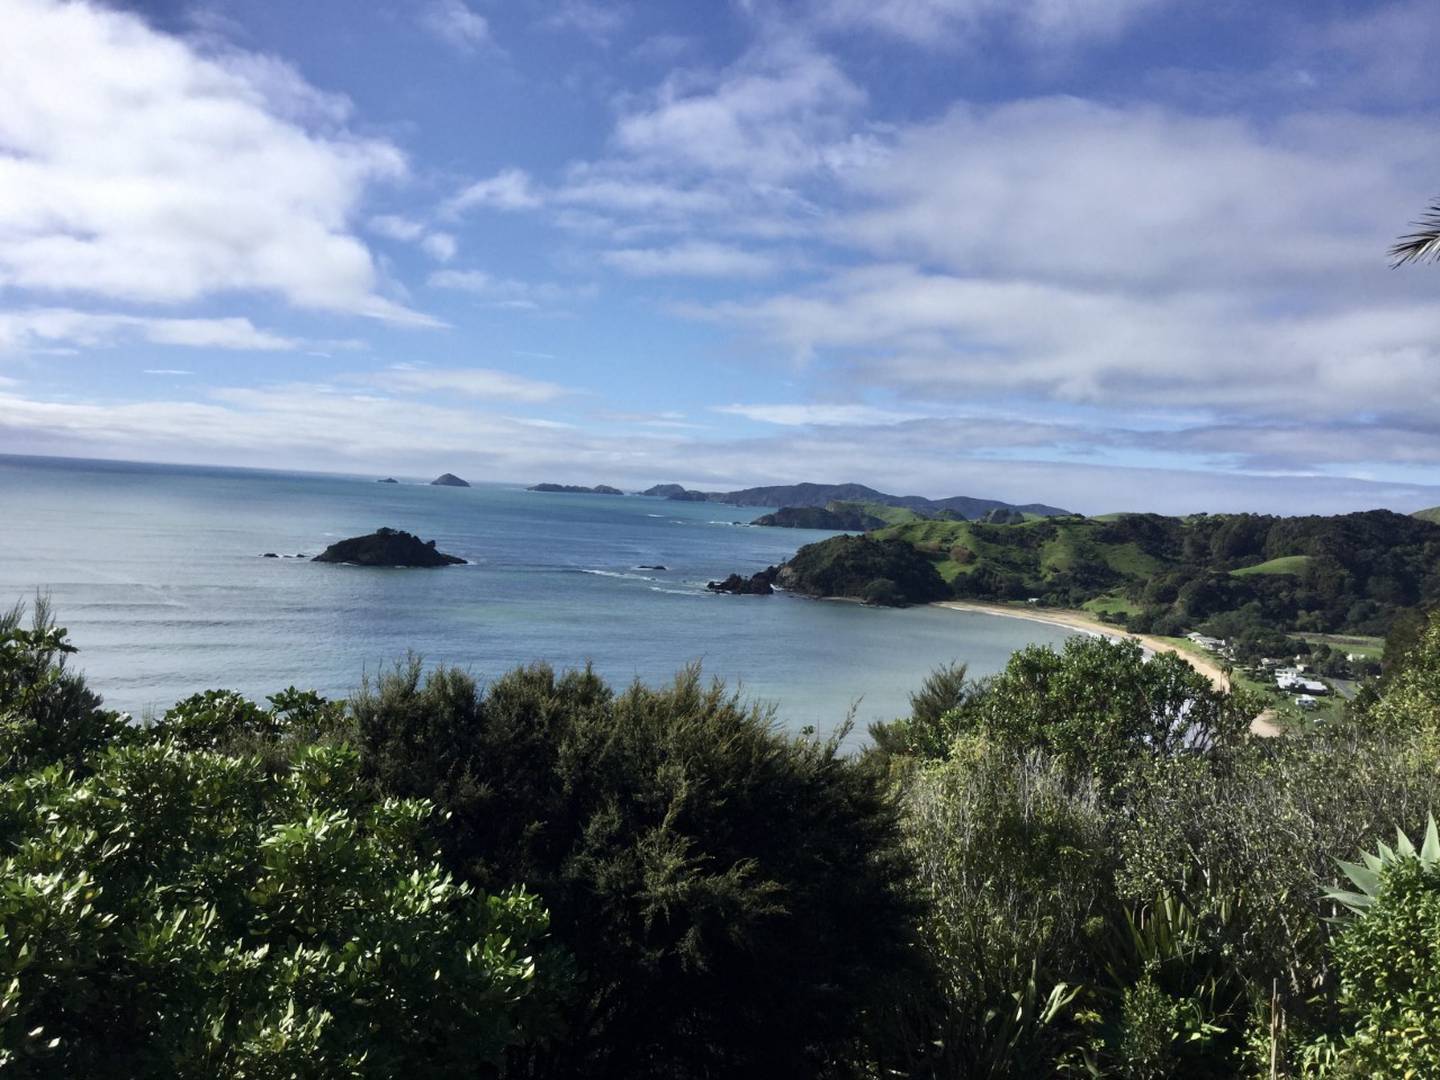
(157, 572)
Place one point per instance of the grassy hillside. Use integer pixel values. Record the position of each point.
(1353, 573)
(1286, 564)
(1431, 515)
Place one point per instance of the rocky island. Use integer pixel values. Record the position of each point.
(576, 489)
(391, 480)
(387, 547)
(675, 493)
(448, 480)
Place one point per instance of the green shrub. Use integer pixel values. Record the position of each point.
(1388, 962)
(47, 713)
(184, 914)
(730, 895)
(1013, 869)
(1100, 706)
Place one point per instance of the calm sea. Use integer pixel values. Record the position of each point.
(157, 572)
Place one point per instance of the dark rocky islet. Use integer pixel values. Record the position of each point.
(387, 547)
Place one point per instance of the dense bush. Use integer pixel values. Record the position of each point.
(47, 713)
(1388, 960)
(1082, 866)
(182, 913)
(730, 895)
(877, 571)
(1118, 881)
(1099, 705)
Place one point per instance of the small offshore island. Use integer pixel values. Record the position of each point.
(387, 547)
(449, 480)
(576, 489)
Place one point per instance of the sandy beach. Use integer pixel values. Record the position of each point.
(1079, 620)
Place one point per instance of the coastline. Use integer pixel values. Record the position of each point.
(1079, 620)
(1263, 725)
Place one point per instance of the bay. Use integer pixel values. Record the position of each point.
(157, 572)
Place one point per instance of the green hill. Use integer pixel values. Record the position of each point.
(1350, 573)
(1286, 564)
(1431, 515)
(840, 516)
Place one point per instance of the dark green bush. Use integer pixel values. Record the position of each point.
(730, 895)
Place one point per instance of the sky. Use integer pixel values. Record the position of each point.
(1104, 254)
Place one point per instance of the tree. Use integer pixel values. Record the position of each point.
(730, 895)
(47, 713)
(1422, 245)
(1099, 705)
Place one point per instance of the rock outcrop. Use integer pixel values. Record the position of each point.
(448, 480)
(387, 547)
(761, 584)
(392, 480)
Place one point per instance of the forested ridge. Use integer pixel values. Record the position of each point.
(1085, 865)
(1351, 573)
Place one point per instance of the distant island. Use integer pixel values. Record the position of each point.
(392, 480)
(821, 496)
(387, 547)
(677, 493)
(448, 480)
(575, 489)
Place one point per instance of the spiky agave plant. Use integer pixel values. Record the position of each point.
(1366, 874)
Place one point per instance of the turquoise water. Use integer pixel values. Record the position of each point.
(156, 571)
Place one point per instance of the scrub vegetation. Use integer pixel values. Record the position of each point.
(1083, 866)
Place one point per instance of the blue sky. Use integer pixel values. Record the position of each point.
(1119, 254)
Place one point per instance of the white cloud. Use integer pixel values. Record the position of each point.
(135, 168)
(507, 293)
(1033, 24)
(43, 327)
(509, 189)
(815, 415)
(947, 337)
(454, 22)
(471, 382)
(692, 259)
(396, 227)
(440, 246)
(783, 111)
(318, 427)
(1065, 188)
(594, 20)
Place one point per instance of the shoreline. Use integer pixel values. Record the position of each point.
(1263, 725)
(1071, 619)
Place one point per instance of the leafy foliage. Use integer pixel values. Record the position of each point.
(877, 571)
(1349, 573)
(730, 896)
(47, 713)
(1099, 705)
(1388, 958)
(183, 913)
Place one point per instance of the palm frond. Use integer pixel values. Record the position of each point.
(1422, 245)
